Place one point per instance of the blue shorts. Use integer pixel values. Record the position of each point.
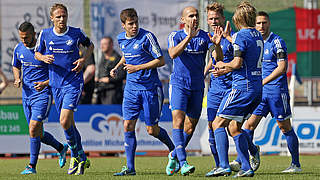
(239, 104)
(150, 101)
(188, 101)
(277, 104)
(67, 97)
(37, 108)
(214, 98)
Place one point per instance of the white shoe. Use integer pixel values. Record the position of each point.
(292, 169)
(235, 166)
(255, 160)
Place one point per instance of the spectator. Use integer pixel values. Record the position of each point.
(109, 90)
(88, 78)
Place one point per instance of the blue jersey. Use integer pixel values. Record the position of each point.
(274, 45)
(188, 67)
(140, 49)
(32, 70)
(65, 48)
(223, 82)
(250, 43)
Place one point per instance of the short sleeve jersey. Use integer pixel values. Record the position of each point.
(250, 43)
(65, 48)
(223, 82)
(188, 67)
(32, 70)
(274, 45)
(140, 49)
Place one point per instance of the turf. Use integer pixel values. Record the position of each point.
(154, 168)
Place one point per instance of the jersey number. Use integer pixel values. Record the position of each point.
(260, 44)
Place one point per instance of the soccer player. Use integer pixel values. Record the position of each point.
(36, 96)
(246, 91)
(275, 97)
(188, 48)
(58, 46)
(143, 91)
(219, 86)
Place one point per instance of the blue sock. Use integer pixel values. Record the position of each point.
(177, 136)
(242, 149)
(293, 146)
(222, 145)
(186, 139)
(213, 147)
(80, 151)
(71, 140)
(130, 148)
(249, 135)
(164, 137)
(48, 139)
(34, 150)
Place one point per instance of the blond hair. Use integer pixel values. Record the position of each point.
(58, 6)
(216, 7)
(244, 15)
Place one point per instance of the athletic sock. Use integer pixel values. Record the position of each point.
(242, 148)
(213, 148)
(164, 137)
(130, 145)
(222, 145)
(48, 139)
(249, 135)
(71, 140)
(80, 151)
(34, 150)
(293, 146)
(177, 135)
(186, 139)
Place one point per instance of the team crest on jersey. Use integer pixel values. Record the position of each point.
(21, 56)
(266, 51)
(122, 47)
(50, 48)
(69, 42)
(135, 46)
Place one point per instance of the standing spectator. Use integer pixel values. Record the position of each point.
(110, 90)
(89, 69)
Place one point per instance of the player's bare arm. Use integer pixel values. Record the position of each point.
(16, 75)
(281, 69)
(113, 71)
(192, 31)
(236, 63)
(216, 39)
(80, 62)
(208, 68)
(227, 32)
(45, 58)
(39, 86)
(149, 65)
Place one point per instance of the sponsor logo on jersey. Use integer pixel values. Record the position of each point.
(69, 42)
(135, 46)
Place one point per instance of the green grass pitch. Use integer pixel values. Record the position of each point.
(154, 168)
